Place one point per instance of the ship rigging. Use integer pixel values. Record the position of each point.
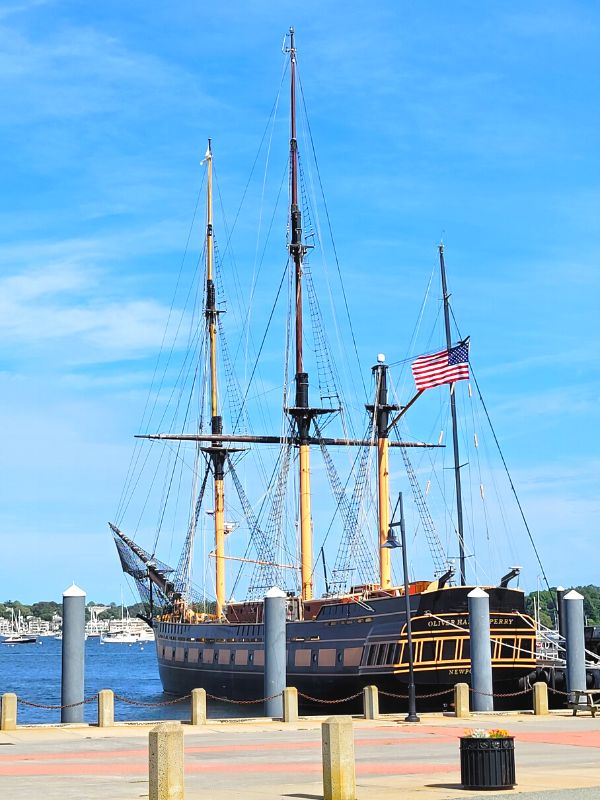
(218, 644)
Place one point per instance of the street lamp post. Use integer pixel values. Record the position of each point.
(392, 542)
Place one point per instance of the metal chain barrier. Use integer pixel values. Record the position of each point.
(243, 702)
(418, 696)
(558, 691)
(501, 694)
(131, 702)
(310, 699)
(329, 702)
(23, 702)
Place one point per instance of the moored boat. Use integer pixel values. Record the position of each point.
(18, 638)
(18, 633)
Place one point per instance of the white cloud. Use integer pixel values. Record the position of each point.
(71, 309)
(20, 8)
(556, 402)
(72, 71)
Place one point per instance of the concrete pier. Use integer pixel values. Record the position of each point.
(263, 759)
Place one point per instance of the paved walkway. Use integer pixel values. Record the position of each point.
(266, 759)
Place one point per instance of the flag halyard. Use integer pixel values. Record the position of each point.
(446, 366)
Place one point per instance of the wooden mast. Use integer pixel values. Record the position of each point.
(382, 416)
(459, 509)
(218, 444)
(217, 451)
(301, 413)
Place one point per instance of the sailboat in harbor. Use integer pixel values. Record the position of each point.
(18, 633)
(127, 630)
(354, 632)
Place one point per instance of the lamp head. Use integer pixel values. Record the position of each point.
(391, 543)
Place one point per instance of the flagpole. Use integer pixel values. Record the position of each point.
(459, 509)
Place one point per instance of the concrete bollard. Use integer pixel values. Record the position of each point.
(481, 650)
(540, 698)
(8, 714)
(461, 700)
(165, 762)
(274, 625)
(198, 707)
(106, 708)
(339, 777)
(290, 704)
(371, 702)
(575, 641)
(560, 607)
(73, 655)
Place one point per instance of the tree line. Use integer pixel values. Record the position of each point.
(544, 601)
(46, 609)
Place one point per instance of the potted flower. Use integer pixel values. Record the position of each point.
(487, 759)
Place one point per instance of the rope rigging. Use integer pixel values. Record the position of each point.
(353, 552)
(268, 574)
(183, 569)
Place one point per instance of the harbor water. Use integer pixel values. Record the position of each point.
(33, 673)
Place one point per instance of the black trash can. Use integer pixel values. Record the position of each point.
(487, 763)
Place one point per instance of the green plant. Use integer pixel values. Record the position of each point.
(482, 733)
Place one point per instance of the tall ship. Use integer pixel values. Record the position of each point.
(347, 613)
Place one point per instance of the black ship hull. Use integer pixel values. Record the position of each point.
(350, 645)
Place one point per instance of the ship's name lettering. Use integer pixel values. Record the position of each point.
(463, 622)
(440, 623)
(463, 671)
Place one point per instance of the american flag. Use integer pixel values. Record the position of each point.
(444, 367)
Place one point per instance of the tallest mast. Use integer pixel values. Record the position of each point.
(459, 509)
(217, 452)
(301, 413)
(296, 248)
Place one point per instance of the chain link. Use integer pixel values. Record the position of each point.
(329, 702)
(418, 696)
(131, 702)
(501, 694)
(558, 691)
(58, 707)
(396, 695)
(243, 702)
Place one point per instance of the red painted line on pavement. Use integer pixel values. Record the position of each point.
(79, 754)
(25, 770)
(361, 769)
(222, 748)
(94, 762)
(573, 738)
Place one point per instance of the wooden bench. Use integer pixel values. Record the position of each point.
(585, 700)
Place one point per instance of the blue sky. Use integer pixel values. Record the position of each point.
(475, 123)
